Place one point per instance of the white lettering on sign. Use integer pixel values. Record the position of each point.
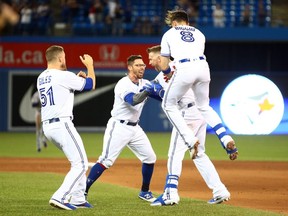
(26, 57)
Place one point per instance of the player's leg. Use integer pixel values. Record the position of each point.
(77, 198)
(38, 129)
(177, 150)
(204, 165)
(211, 178)
(201, 90)
(178, 86)
(142, 148)
(176, 154)
(43, 137)
(64, 135)
(113, 144)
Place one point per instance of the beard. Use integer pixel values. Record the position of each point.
(140, 76)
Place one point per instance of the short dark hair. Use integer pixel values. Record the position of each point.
(156, 48)
(132, 58)
(52, 52)
(176, 15)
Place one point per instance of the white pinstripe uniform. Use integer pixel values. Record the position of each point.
(56, 89)
(186, 44)
(178, 148)
(123, 128)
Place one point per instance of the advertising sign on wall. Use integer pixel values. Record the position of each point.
(106, 56)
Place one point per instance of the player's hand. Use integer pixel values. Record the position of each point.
(167, 77)
(82, 74)
(87, 60)
(153, 88)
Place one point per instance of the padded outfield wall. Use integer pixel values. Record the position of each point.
(231, 53)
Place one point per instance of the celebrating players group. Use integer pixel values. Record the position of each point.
(182, 88)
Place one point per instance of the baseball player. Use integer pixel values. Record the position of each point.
(41, 140)
(186, 45)
(56, 88)
(123, 128)
(177, 149)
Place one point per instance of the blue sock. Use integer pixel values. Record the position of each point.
(95, 172)
(171, 181)
(220, 131)
(147, 171)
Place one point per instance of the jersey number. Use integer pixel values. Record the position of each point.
(187, 36)
(46, 95)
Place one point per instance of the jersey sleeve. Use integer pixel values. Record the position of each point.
(121, 89)
(165, 49)
(73, 82)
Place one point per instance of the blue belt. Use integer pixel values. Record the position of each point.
(188, 59)
(128, 123)
(52, 120)
(190, 104)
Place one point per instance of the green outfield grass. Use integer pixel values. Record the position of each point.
(24, 194)
(252, 148)
(29, 193)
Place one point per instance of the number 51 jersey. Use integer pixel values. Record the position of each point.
(56, 90)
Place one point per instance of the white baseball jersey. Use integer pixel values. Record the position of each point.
(121, 109)
(119, 133)
(183, 42)
(56, 89)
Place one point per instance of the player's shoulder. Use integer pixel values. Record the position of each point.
(123, 82)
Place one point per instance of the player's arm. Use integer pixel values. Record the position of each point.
(155, 90)
(87, 60)
(164, 64)
(135, 99)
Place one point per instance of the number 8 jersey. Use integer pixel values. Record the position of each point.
(182, 42)
(56, 90)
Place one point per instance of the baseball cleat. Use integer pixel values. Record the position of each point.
(60, 205)
(147, 196)
(83, 205)
(165, 202)
(218, 200)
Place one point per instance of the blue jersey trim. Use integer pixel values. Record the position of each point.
(129, 98)
(88, 85)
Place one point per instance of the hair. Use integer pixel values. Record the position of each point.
(155, 49)
(132, 58)
(52, 52)
(176, 15)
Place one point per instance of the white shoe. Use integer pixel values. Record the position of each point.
(219, 199)
(57, 204)
(166, 199)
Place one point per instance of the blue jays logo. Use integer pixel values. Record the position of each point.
(252, 104)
